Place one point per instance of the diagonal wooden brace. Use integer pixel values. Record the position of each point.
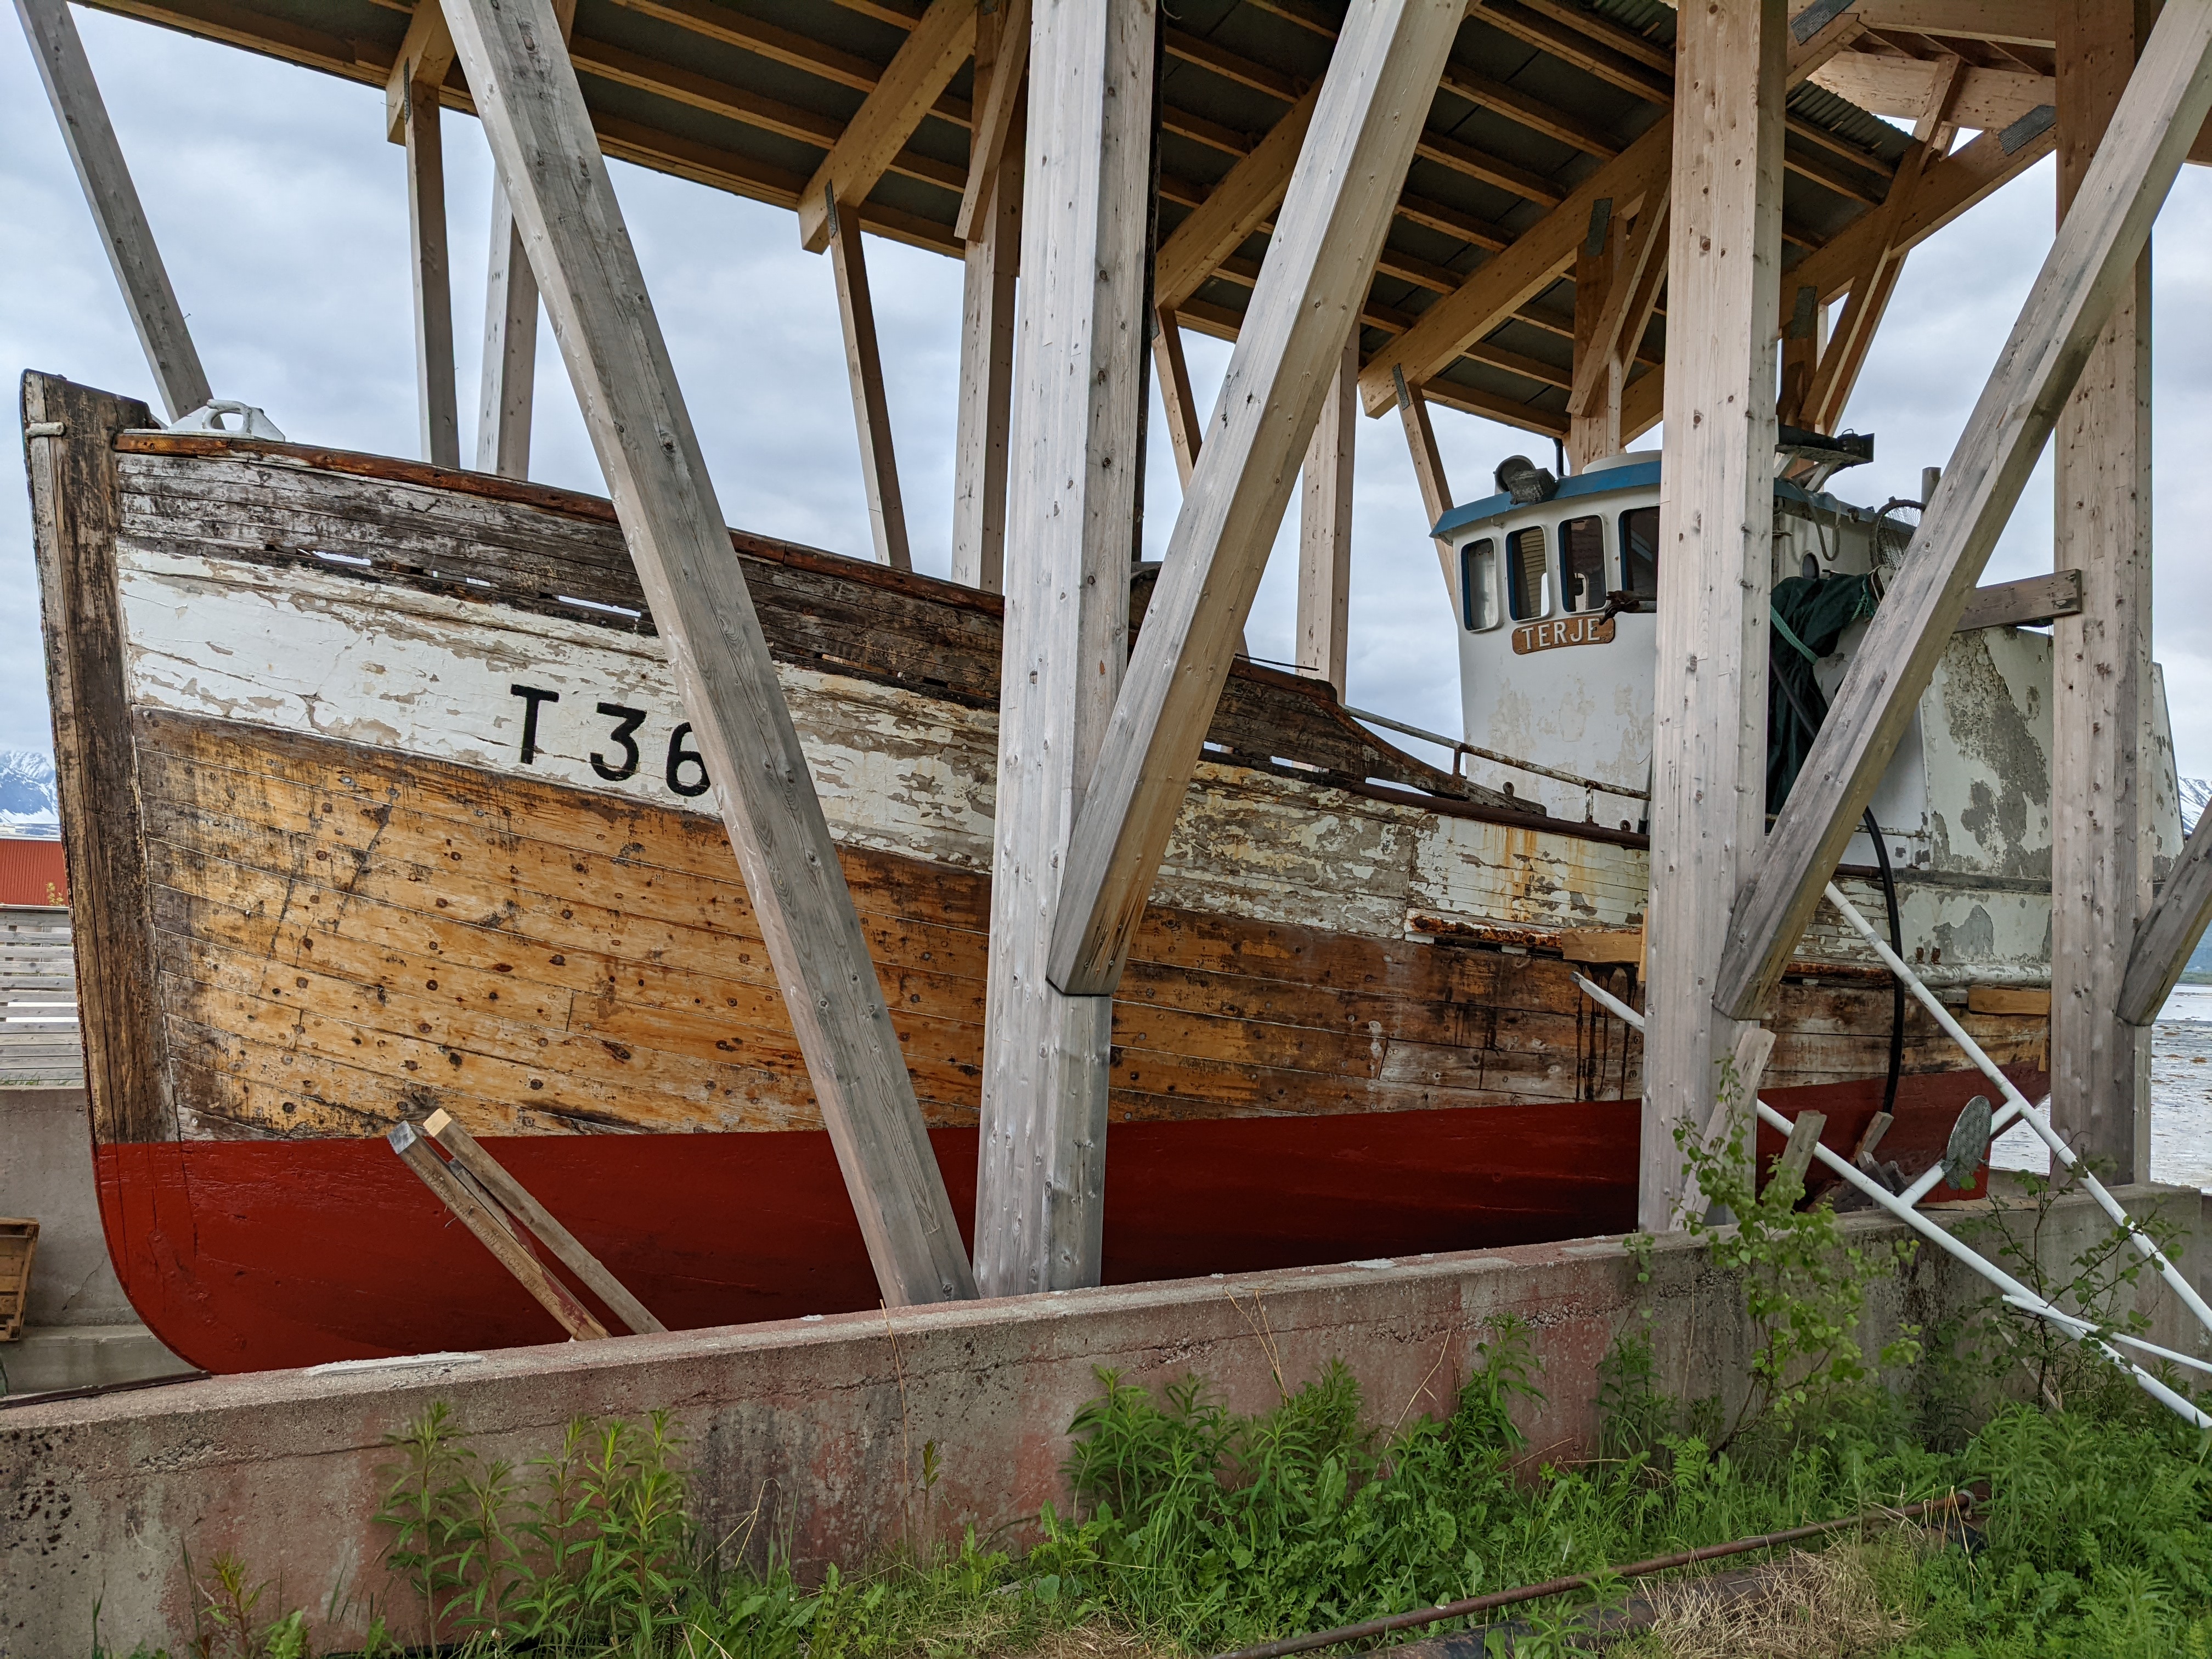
(1326, 244)
(2089, 264)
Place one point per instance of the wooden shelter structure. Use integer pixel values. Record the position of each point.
(1575, 216)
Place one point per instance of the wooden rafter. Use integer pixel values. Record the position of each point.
(910, 87)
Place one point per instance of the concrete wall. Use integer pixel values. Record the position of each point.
(79, 1329)
(824, 1421)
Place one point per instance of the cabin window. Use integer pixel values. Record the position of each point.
(1582, 564)
(1524, 573)
(1639, 551)
(1477, 584)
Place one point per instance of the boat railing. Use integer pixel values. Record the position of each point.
(1461, 748)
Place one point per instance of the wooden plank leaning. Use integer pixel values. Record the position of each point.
(124, 232)
(474, 1209)
(2089, 266)
(588, 272)
(2176, 920)
(517, 1199)
(1327, 241)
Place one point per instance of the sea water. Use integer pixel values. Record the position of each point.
(2180, 1098)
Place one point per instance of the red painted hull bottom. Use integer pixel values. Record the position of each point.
(255, 1254)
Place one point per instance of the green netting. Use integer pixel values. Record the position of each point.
(1809, 616)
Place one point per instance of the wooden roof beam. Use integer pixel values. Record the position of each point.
(1502, 285)
(1984, 98)
(910, 86)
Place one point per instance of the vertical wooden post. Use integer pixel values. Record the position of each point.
(542, 139)
(1325, 527)
(1716, 512)
(1041, 1181)
(2101, 705)
(1804, 336)
(435, 401)
(987, 338)
(1597, 433)
(108, 191)
(872, 414)
(510, 349)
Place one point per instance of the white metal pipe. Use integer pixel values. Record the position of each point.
(2014, 1293)
(2075, 1326)
(2175, 1280)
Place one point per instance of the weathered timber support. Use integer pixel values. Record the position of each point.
(1594, 419)
(1428, 472)
(941, 39)
(2162, 944)
(2089, 270)
(986, 319)
(510, 349)
(871, 412)
(113, 199)
(1325, 527)
(436, 403)
(556, 178)
(1186, 425)
(2101, 703)
(1716, 519)
(1041, 1181)
(1326, 243)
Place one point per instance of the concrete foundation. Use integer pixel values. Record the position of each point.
(79, 1329)
(822, 1422)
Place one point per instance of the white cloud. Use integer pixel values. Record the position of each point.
(282, 213)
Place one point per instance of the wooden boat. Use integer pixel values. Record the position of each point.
(379, 800)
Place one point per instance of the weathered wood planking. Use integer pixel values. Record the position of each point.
(40, 1040)
(348, 939)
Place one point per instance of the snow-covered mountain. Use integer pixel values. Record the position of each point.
(2195, 796)
(28, 804)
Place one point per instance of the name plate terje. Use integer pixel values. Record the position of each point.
(1565, 630)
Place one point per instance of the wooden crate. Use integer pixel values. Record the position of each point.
(19, 1242)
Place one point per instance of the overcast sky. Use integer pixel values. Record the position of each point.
(281, 214)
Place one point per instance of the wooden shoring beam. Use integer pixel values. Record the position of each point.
(474, 1208)
(493, 1177)
(941, 41)
(1501, 286)
(437, 402)
(1233, 211)
(507, 383)
(986, 326)
(155, 316)
(2165, 936)
(1332, 222)
(863, 367)
(2103, 691)
(1627, 299)
(1862, 314)
(1186, 425)
(2089, 270)
(426, 57)
(1428, 472)
(1715, 518)
(542, 141)
(509, 380)
(1002, 65)
(1594, 382)
(1041, 1174)
(1325, 526)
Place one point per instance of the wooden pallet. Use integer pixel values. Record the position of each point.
(40, 1042)
(19, 1242)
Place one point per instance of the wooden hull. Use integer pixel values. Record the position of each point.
(335, 884)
